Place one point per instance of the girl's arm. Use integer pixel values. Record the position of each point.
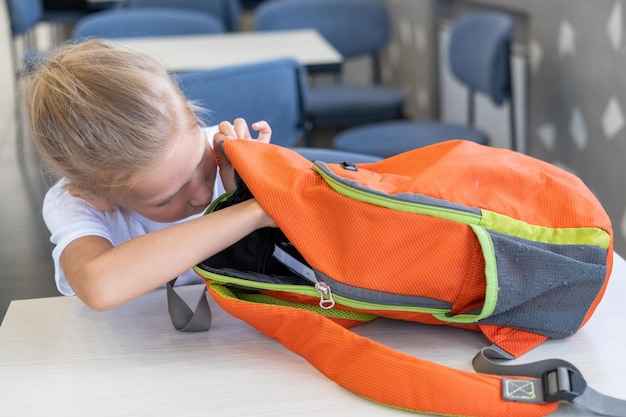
(104, 276)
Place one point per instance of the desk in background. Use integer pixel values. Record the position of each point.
(58, 358)
(197, 52)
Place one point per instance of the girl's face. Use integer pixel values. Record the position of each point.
(181, 184)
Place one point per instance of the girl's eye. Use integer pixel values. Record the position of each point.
(163, 204)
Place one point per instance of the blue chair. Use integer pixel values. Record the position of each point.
(479, 57)
(356, 28)
(145, 22)
(227, 11)
(24, 15)
(274, 91)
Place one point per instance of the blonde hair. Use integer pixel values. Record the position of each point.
(101, 116)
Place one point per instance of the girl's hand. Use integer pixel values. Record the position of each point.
(262, 127)
(237, 130)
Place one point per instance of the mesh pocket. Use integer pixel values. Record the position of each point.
(545, 288)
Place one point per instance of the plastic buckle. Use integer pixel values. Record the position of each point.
(562, 384)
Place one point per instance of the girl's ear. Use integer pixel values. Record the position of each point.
(98, 202)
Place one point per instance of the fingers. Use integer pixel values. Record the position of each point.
(239, 130)
(264, 129)
(225, 131)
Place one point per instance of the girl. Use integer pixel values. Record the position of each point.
(137, 171)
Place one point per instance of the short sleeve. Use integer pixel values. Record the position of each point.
(69, 218)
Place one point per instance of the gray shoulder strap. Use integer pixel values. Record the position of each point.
(183, 317)
(552, 380)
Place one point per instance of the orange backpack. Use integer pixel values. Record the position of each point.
(455, 233)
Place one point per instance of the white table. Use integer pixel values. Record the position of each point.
(197, 52)
(58, 358)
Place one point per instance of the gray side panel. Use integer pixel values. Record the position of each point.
(546, 289)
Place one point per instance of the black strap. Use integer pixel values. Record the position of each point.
(554, 380)
(183, 317)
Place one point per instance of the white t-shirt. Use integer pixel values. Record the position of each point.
(69, 218)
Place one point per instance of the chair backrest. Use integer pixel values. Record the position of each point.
(274, 91)
(353, 27)
(479, 53)
(24, 15)
(228, 11)
(148, 22)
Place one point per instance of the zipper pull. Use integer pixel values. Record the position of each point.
(326, 295)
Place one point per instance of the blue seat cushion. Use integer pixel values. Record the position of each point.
(333, 156)
(392, 138)
(348, 105)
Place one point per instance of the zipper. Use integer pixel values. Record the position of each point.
(320, 290)
(390, 202)
(326, 295)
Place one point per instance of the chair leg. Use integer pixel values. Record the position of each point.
(308, 133)
(471, 108)
(513, 125)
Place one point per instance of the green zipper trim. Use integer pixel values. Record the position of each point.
(491, 282)
(501, 223)
(218, 200)
(224, 279)
(311, 291)
(364, 305)
(257, 298)
(395, 204)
